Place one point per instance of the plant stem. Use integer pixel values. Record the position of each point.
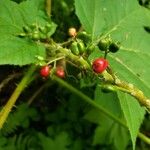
(78, 60)
(144, 138)
(21, 86)
(87, 99)
(133, 91)
(100, 108)
(55, 59)
(48, 7)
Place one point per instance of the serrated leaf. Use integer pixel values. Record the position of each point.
(16, 51)
(108, 131)
(134, 114)
(124, 21)
(13, 16)
(88, 12)
(19, 118)
(60, 142)
(109, 101)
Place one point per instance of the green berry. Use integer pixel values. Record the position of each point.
(43, 29)
(74, 48)
(114, 47)
(26, 29)
(35, 35)
(33, 26)
(42, 36)
(107, 89)
(103, 44)
(86, 38)
(81, 47)
(21, 35)
(90, 49)
(48, 26)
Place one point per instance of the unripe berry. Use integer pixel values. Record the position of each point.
(45, 71)
(99, 65)
(74, 48)
(35, 35)
(72, 32)
(90, 49)
(103, 44)
(86, 38)
(114, 47)
(81, 47)
(26, 29)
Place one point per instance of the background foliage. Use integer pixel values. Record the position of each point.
(64, 121)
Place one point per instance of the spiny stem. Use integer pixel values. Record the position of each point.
(133, 91)
(100, 108)
(9, 105)
(87, 99)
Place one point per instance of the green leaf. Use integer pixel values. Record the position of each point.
(109, 101)
(108, 131)
(88, 12)
(16, 51)
(60, 142)
(19, 118)
(134, 114)
(13, 16)
(123, 21)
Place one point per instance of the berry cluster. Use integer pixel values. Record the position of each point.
(81, 45)
(45, 71)
(37, 32)
(108, 45)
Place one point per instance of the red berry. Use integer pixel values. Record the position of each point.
(45, 71)
(60, 72)
(99, 65)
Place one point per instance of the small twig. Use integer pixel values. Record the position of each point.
(32, 98)
(105, 54)
(67, 42)
(9, 78)
(55, 59)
